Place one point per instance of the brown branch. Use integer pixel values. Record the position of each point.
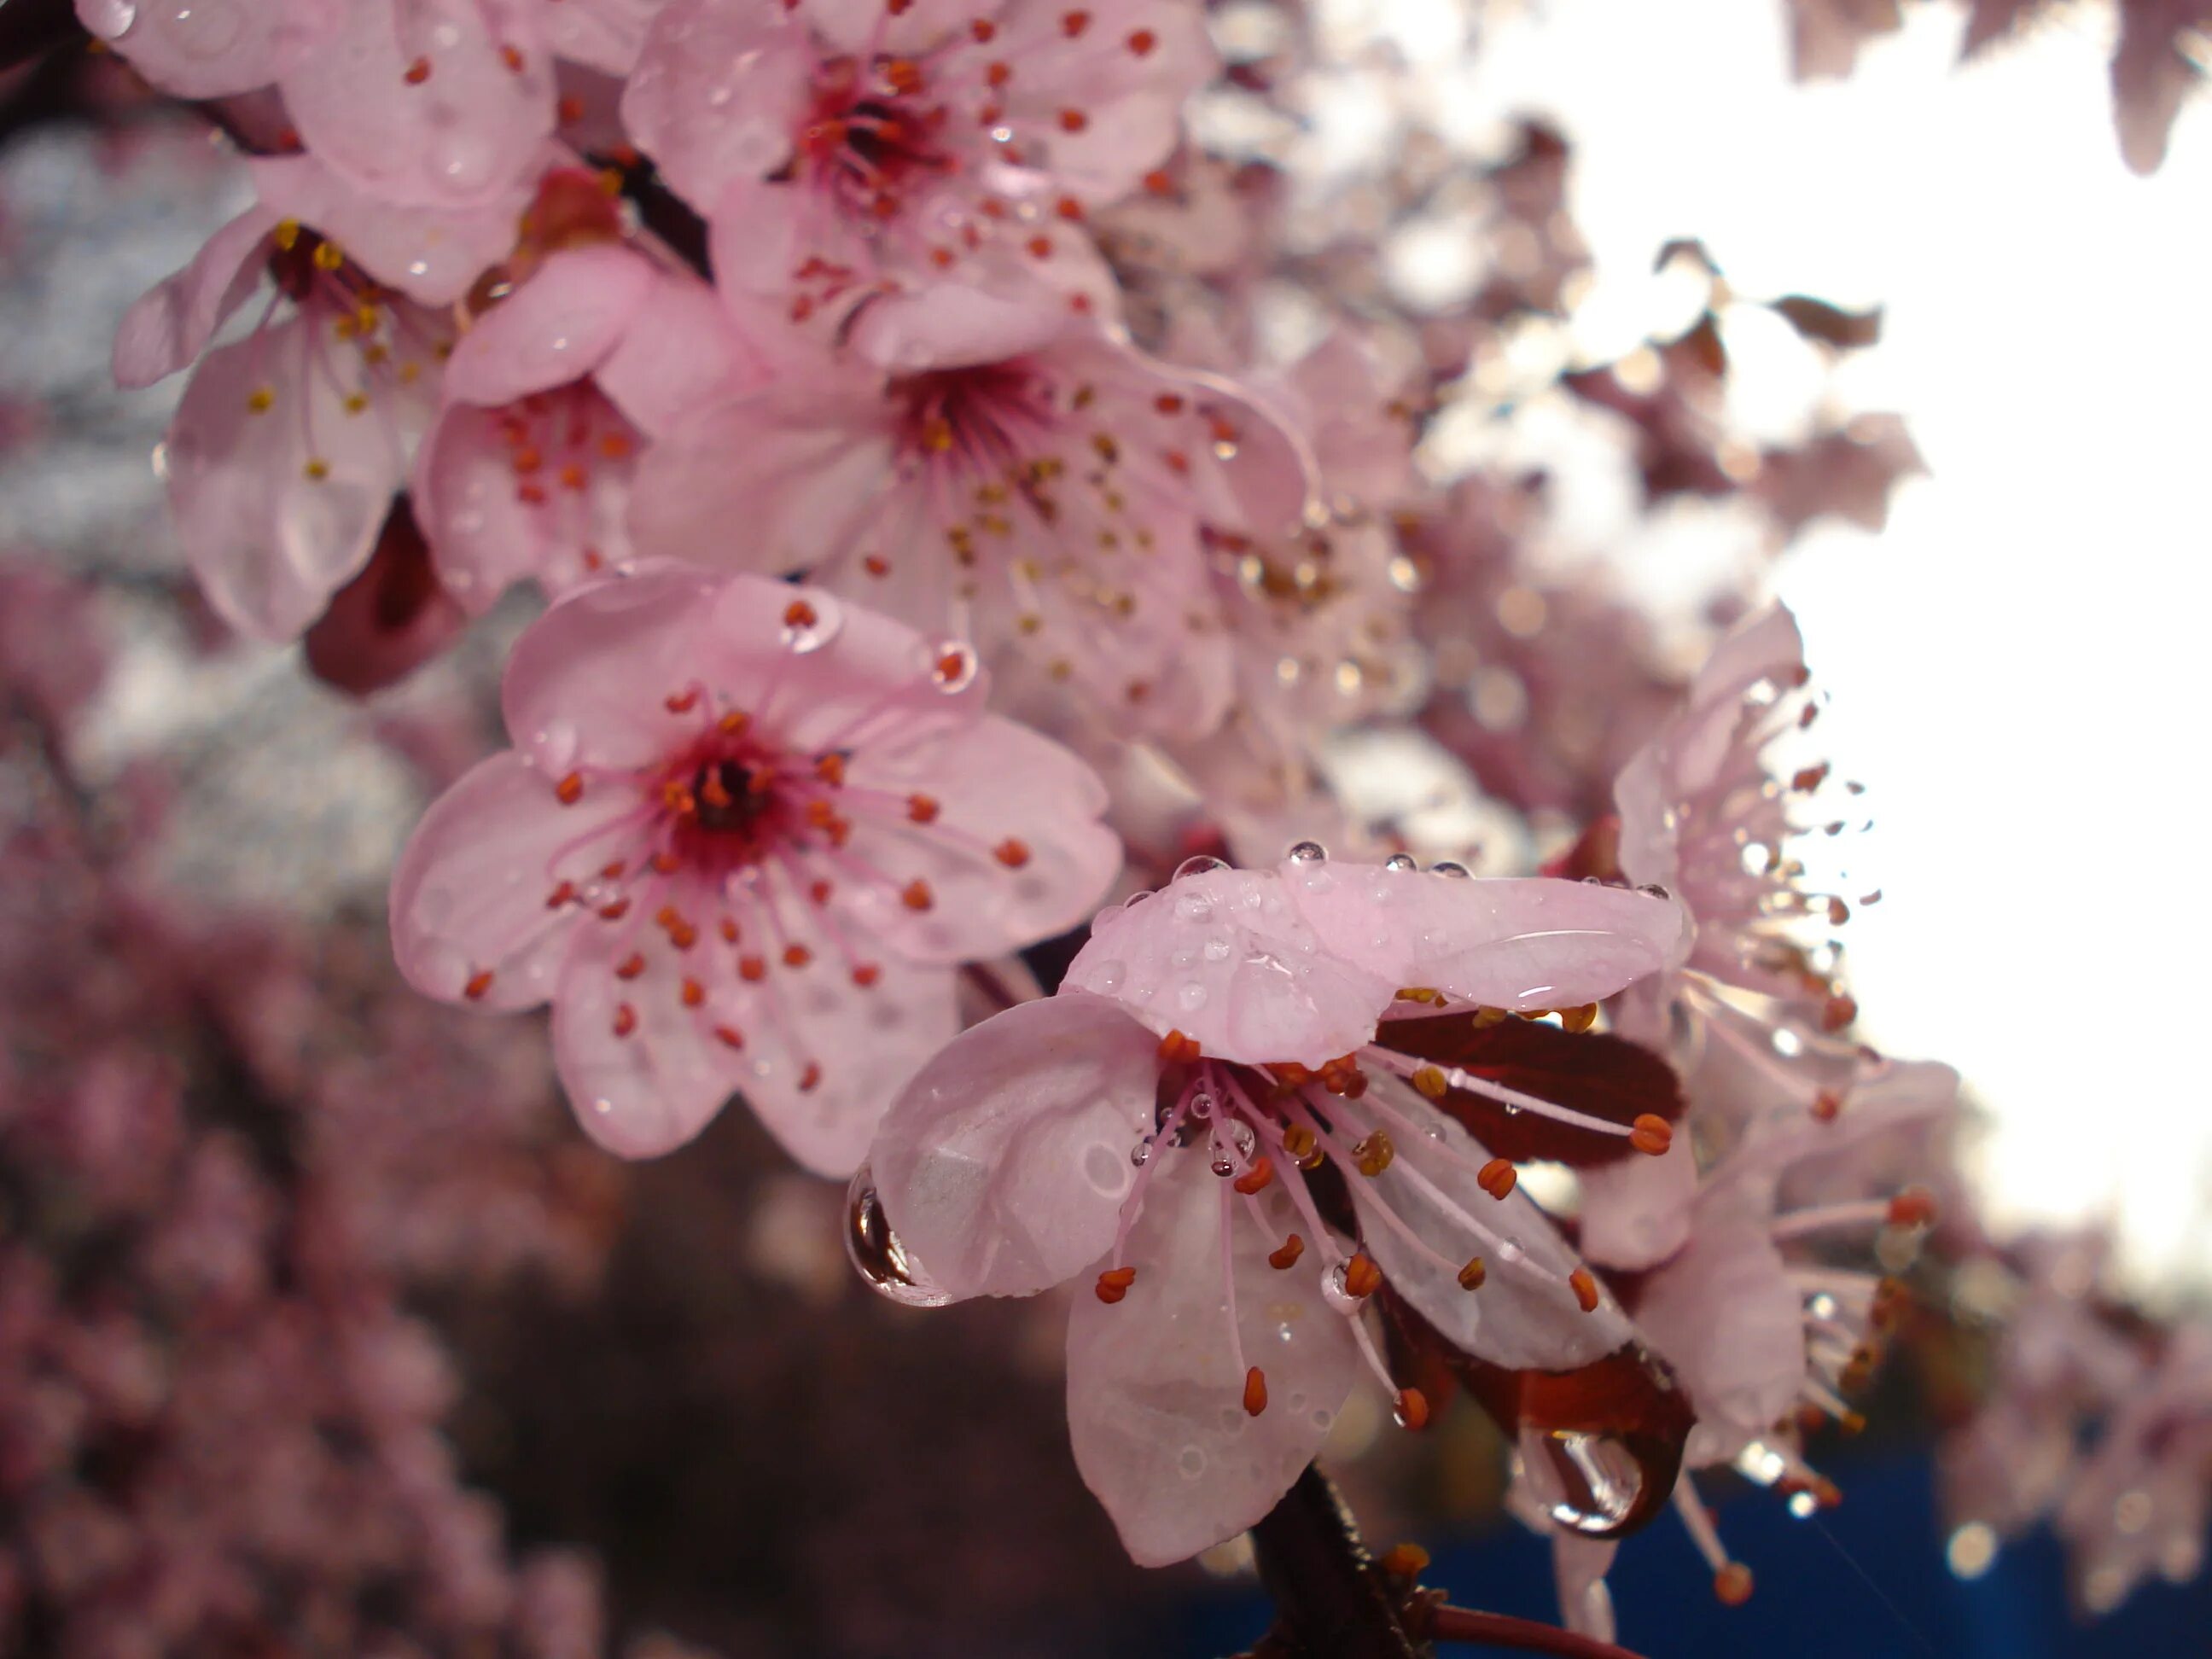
(1333, 1601)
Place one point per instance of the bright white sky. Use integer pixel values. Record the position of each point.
(2016, 661)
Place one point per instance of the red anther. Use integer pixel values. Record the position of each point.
(1175, 1046)
(904, 75)
(1913, 1207)
(479, 982)
(1732, 1585)
(1286, 1257)
(1583, 1284)
(561, 894)
(1074, 23)
(730, 1036)
(1158, 183)
(615, 911)
(1168, 403)
(797, 955)
(1069, 209)
(1177, 462)
(573, 477)
(612, 870)
(1809, 778)
(527, 459)
(630, 966)
(1073, 120)
(1404, 1561)
(531, 494)
(1838, 1011)
(694, 993)
(916, 895)
(713, 790)
(800, 614)
(810, 1078)
(830, 769)
(681, 702)
(417, 72)
(1412, 1408)
(949, 666)
(728, 929)
(1113, 1284)
(877, 566)
(865, 974)
(1256, 1178)
(625, 1020)
(1221, 431)
(1826, 1106)
(1839, 913)
(1142, 42)
(752, 970)
(733, 723)
(1255, 1392)
(665, 862)
(1497, 1178)
(512, 59)
(1651, 1135)
(570, 789)
(570, 109)
(1012, 853)
(921, 809)
(616, 445)
(997, 75)
(819, 891)
(898, 8)
(1362, 1278)
(1471, 1277)
(984, 30)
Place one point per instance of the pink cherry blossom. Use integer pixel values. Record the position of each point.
(1151, 1127)
(746, 836)
(988, 466)
(839, 146)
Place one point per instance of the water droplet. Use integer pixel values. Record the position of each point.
(1201, 1105)
(1106, 977)
(463, 162)
(1197, 867)
(1105, 1172)
(884, 1262)
(952, 666)
(1216, 949)
(1451, 867)
(721, 95)
(1510, 1248)
(1194, 906)
(1306, 852)
(1191, 998)
(1191, 1463)
(1141, 1153)
(1653, 890)
(1241, 1135)
(1334, 1292)
(1221, 1164)
(1401, 862)
(1588, 1483)
(811, 623)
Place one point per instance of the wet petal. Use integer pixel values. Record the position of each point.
(1725, 1315)
(172, 323)
(1005, 1162)
(218, 50)
(557, 327)
(717, 95)
(429, 253)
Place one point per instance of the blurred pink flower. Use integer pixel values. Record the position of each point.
(993, 467)
(746, 835)
(838, 148)
(1213, 1042)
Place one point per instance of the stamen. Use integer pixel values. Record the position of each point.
(1113, 1284)
(1255, 1392)
(1497, 1178)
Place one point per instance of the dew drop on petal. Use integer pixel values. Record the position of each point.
(1451, 867)
(1107, 976)
(881, 1259)
(1334, 1292)
(1197, 867)
(952, 666)
(1588, 1483)
(1401, 862)
(1306, 852)
(811, 623)
(1141, 1153)
(1191, 998)
(1191, 1463)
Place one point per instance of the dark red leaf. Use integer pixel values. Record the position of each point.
(1830, 326)
(1590, 1071)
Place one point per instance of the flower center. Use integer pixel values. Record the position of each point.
(870, 139)
(984, 419)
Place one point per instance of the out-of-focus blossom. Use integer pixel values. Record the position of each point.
(1210, 1121)
(746, 835)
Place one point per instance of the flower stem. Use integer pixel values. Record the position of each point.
(1332, 1601)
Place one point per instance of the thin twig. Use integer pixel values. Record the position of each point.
(1334, 1602)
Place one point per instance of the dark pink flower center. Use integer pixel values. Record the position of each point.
(988, 418)
(870, 137)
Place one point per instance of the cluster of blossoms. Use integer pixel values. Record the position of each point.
(965, 492)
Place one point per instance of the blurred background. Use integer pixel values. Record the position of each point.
(301, 1270)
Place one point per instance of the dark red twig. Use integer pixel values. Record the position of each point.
(1524, 1635)
(1331, 1599)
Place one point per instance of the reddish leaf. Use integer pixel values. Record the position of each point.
(1590, 1072)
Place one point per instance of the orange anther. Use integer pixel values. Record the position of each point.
(1074, 23)
(1158, 183)
(1142, 42)
(984, 30)
(1362, 1278)
(682, 701)
(694, 993)
(1256, 1178)
(1255, 1392)
(1583, 1284)
(810, 1078)
(916, 895)
(512, 59)
(1286, 1257)
(630, 966)
(1073, 120)
(1412, 1408)
(625, 1020)
(730, 1036)
(1838, 1011)
(1113, 1284)
(752, 970)
(561, 894)
(797, 955)
(1732, 1585)
(1175, 1046)
(1651, 1135)
(1826, 1105)
(615, 911)
(921, 809)
(1497, 1178)
(830, 769)
(1913, 1207)
(997, 75)
(570, 789)
(1472, 1275)
(904, 75)
(1012, 853)
(865, 974)
(800, 614)
(479, 982)
(417, 72)
(1579, 1019)
(731, 723)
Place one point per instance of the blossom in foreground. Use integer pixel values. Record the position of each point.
(988, 465)
(1211, 1124)
(746, 836)
(839, 150)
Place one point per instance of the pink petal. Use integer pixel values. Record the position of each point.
(585, 683)
(853, 26)
(1005, 1162)
(682, 354)
(170, 324)
(1636, 1213)
(817, 474)
(998, 786)
(469, 892)
(605, 34)
(1506, 943)
(1525, 1316)
(718, 94)
(212, 48)
(557, 327)
(269, 543)
(1223, 957)
(431, 254)
(459, 137)
(957, 327)
(1725, 1315)
(1154, 1396)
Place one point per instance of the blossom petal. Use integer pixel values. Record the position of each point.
(431, 254)
(172, 323)
(1725, 1315)
(1524, 1316)
(605, 35)
(717, 95)
(556, 327)
(1005, 1162)
(1505, 943)
(1003, 793)
(1224, 957)
(1154, 1396)
(214, 51)
(682, 354)
(469, 895)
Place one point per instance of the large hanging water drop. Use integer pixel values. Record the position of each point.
(1588, 1483)
(881, 1259)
